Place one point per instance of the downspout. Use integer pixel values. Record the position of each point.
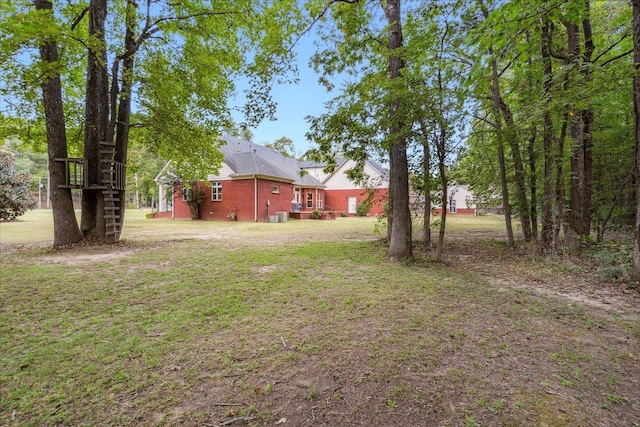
(173, 202)
(255, 202)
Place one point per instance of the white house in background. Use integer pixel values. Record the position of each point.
(460, 201)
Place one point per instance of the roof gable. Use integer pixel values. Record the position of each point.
(378, 177)
(247, 158)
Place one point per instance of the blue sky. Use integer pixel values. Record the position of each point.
(295, 102)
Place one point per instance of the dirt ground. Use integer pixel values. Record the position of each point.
(549, 343)
(505, 366)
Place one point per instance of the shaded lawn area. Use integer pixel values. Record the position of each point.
(307, 321)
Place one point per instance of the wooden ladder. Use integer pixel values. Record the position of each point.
(109, 171)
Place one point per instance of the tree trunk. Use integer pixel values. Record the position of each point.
(96, 119)
(426, 172)
(636, 109)
(499, 110)
(579, 215)
(518, 167)
(400, 242)
(533, 185)
(65, 225)
(559, 223)
(124, 108)
(546, 235)
(503, 182)
(442, 154)
(531, 149)
(495, 94)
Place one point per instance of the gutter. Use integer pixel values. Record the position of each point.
(255, 202)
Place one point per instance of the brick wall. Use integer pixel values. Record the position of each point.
(238, 198)
(338, 200)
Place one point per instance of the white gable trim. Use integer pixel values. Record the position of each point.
(338, 180)
(224, 173)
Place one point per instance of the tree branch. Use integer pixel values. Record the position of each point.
(79, 18)
(607, 50)
(622, 55)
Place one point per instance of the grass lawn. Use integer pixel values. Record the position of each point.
(231, 323)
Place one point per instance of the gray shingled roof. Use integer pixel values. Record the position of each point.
(249, 158)
(339, 161)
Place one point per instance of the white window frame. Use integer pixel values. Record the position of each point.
(275, 189)
(216, 191)
(309, 200)
(186, 194)
(452, 206)
(319, 201)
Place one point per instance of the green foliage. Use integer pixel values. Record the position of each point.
(363, 207)
(15, 197)
(284, 146)
(315, 214)
(186, 63)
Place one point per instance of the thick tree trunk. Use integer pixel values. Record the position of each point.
(96, 119)
(400, 242)
(579, 215)
(124, 108)
(65, 225)
(546, 235)
(636, 109)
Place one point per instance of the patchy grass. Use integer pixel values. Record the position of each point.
(200, 323)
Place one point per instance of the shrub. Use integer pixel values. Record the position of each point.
(15, 197)
(363, 207)
(315, 214)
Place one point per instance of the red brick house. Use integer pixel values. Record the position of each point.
(257, 183)
(342, 195)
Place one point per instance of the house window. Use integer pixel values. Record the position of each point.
(216, 191)
(275, 189)
(186, 194)
(310, 200)
(296, 194)
(319, 201)
(452, 206)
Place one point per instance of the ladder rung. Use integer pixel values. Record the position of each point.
(112, 216)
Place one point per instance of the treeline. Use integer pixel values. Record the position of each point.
(529, 102)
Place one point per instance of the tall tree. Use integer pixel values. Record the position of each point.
(400, 243)
(636, 108)
(181, 58)
(370, 115)
(503, 112)
(65, 225)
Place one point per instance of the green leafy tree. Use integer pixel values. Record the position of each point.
(15, 196)
(369, 116)
(284, 146)
(176, 60)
